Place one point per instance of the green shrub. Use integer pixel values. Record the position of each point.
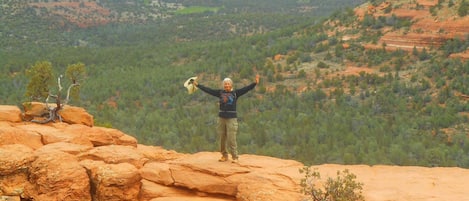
(342, 188)
(322, 65)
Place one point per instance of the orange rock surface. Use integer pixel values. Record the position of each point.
(61, 161)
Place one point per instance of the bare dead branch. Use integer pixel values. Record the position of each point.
(54, 111)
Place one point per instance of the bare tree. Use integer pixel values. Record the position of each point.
(41, 81)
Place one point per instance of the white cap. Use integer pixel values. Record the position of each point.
(191, 88)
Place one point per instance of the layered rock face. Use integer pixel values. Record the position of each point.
(427, 30)
(78, 161)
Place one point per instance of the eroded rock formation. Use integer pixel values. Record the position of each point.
(427, 30)
(62, 161)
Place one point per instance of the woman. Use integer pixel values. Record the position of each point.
(227, 121)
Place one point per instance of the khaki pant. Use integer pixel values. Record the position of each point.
(227, 130)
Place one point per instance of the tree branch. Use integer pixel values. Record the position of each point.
(54, 111)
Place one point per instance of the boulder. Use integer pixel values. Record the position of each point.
(14, 184)
(76, 115)
(100, 136)
(10, 198)
(13, 135)
(115, 154)
(10, 113)
(33, 110)
(66, 147)
(157, 153)
(50, 134)
(252, 178)
(58, 176)
(158, 173)
(152, 190)
(113, 182)
(14, 158)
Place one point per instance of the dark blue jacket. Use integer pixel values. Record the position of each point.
(227, 99)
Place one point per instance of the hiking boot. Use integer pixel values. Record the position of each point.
(235, 160)
(223, 159)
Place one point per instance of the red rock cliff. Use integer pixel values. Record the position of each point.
(62, 161)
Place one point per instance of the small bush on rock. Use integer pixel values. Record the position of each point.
(343, 188)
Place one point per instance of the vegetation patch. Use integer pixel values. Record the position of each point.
(342, 188)
(328, 93)
(196, 10)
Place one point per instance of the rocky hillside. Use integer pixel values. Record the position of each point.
(79, 161)
(432, 24)
(87, 13)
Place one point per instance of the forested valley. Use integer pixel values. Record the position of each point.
(300, 110)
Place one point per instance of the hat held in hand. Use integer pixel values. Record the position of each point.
(189, 84)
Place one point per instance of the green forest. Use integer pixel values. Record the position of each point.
(135, 75)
